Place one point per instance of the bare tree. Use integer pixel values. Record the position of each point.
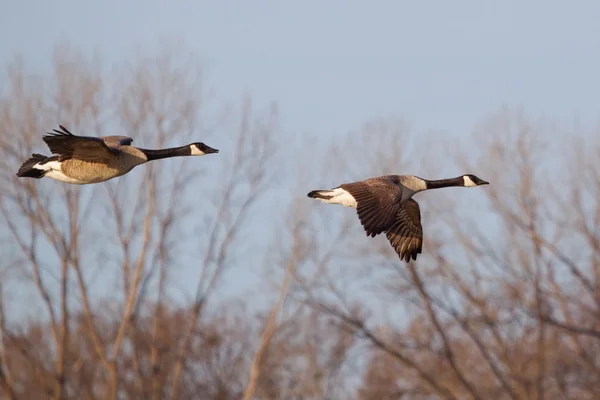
(113, 290)
(502, 303)
(69, 241)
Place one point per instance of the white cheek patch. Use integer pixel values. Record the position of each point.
(196, 151)
(468, 182)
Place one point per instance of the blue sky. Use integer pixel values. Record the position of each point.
(332, 65)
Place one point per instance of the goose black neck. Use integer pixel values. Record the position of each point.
(442, 183)
(166, 153)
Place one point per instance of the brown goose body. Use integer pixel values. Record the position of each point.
(385, 204)
(92, 172)
(85, 160)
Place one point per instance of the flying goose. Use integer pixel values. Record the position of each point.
(82, 160)
(385, 204)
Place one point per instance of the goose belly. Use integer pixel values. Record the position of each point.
(59, 176)
(80, 172)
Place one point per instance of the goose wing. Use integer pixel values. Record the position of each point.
(378, 203)
(115, 140)
(406, 233)
(86, 148)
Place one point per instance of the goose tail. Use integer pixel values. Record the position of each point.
(321, 194)
(31, 169)
(334, 196)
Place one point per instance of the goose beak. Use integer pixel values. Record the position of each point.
(210, 150)
(484, 183)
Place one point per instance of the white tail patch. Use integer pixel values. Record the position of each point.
(338, 196)
(55, 172)
(49, 166)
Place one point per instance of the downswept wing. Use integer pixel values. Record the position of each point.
(377, 203)
(86, 148)
(406, 234)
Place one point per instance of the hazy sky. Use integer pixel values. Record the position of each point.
(332, 65)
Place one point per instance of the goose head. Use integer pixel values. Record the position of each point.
(470, 180)
(200, 149)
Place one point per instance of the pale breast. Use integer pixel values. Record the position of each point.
(131, 155)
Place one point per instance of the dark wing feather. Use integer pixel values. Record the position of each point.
(406, 234)
(377, 203)
(85, 148)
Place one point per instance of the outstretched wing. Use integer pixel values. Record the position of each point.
(86, 148)
(406, 233)
(377, 203)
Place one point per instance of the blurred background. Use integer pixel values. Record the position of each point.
(217, 278)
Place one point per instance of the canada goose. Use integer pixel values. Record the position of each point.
(82, 160)
(385, 204)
